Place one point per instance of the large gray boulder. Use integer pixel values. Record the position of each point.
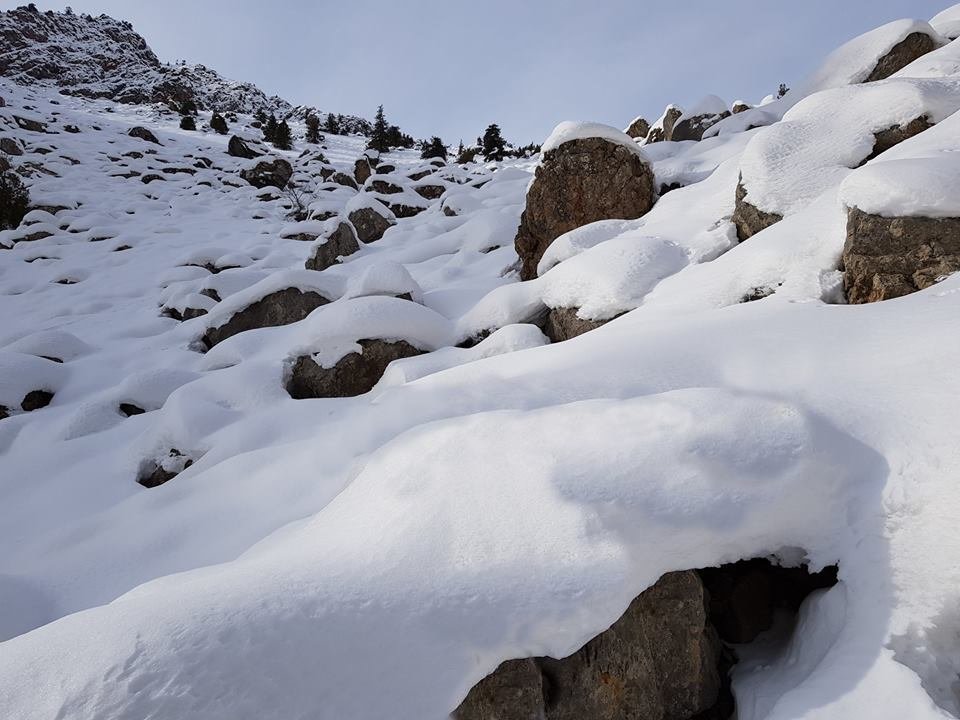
(370, 224)
(268, 173)
(887, 257)
(340, 243)
(692, 128)
(913, 46)
(237, 147)
(577, 183)
(748, 218)
(659, 660)
(563, 323)
(639, 128)
(663, 129)
(283, 307)
(354, 374)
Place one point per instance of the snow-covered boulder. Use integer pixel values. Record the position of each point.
(589, 172)
(638, 128)
(339, 242)
(268, 173)
(662, 129)
(238, 147)
(705, 114)
(369, 217)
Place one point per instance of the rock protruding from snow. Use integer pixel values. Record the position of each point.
(563, 323)
(238, 147)
(268, 173)
(659, 660)
(705, 114)
(638, 129)
(342, 241)
(913, 46)
(748, 218)
(662, 129)
(370, 218)
(277, 308)
(363, 168)
(141, 132)
(588, 173)
(354, 374)
(888, 257)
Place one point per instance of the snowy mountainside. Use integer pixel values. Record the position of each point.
(187, 531)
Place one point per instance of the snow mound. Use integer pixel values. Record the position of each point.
(569, 131)
(947, 22)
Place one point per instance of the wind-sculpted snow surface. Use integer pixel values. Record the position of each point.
(495, 496)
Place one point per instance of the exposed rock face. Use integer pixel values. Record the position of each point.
(343, 179)
(580, 182)
(143, 134)
(402, 210)
(884, 258)
(692, 128)
(430, 192)
(384, 187)
(36, 399)
(10, 146)
(157, 473)
(362, 170)
(639, 128)
(739, 107)
(30, 124)
(369, 224)
(237, 147)
(886, 139)
(279, 308)
(659, 660)
(268, 173)
(902, 54)
(341, 242)
(562, 324)
(748, 218)
(354, 374)
(665, 132)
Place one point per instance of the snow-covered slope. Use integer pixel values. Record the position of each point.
(496, 496)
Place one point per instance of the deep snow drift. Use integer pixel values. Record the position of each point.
(375, 556)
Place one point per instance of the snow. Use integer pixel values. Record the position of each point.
(569, 131)
(480, 503)
(709, 105)
(947, 22)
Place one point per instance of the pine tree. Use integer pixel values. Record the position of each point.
(218, 124)
(331, 125)
(460, 148)
(14, 200)
(782, 90)
(313, 129)
(493, 143)
(270, 129)
(379, 136)
(188, 107)
(188, 123)
(282, 139)
(434, 148)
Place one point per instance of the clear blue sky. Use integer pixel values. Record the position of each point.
(453, 66)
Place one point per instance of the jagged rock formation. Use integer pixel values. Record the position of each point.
(354, 374)
(749, 219)
(279, 308)
(370, 224)
(692, 128)
(884, 258)
(902, 54)
(341, 242)
(663, 128)
(639, 128)
(268, 173)
(580, 182)
(238, 147)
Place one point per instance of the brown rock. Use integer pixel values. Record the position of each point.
(659, 660)
(340, 243)
(659, 134)
(369, 224)
(639, 128)
(237, 147)
(402, 210)
(739, 107)
(430, 192)
(692, 128)
(10, 146)
(354, 374)
(896, 134)
(143, 134)
(580, 182)
(913, 46)
(562, 324)
(283, 307)
(362, 170)
(155, 474)
(748, 218)
(268, 173)
(884, 258)
(343, 179)
(384, 187)
(36, 399)
(31, 125)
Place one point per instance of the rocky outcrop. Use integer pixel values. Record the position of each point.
(429, 192)
(340, 243)
(10, 146)
(268, 173)
(659, 660)
(354, 374)
(577, 183)
(362, 169)
(748, 218)
(663, 129)
(343, 179)
(739, 107)
(36, 399)
(562, 324)
(283, 307)
(639, 128)
(369, 224)
(692, 128)
(384, 187)
(237, 147)
(884, 258)
(143, 134)
(156, 473)
(896, 134)
(902, 54)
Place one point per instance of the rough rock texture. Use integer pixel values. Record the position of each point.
(658, 661)
(10, 146)
(156, 474)
(748, 218)
(902, 54)
(639, 128)
(884, 258)
(237, 147)
(143, 134)
(354, 374)
(36, 399)
(384, 187)
(279, 308)
(402, 210)
(362, 170)
(341, 242)
(268, 173)
(658, 134)
(369, 224)
(562, 324)
(896, 134)
(430, 192)
(580, 182)
(739, 107)
(343, 179)
(692, 128)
